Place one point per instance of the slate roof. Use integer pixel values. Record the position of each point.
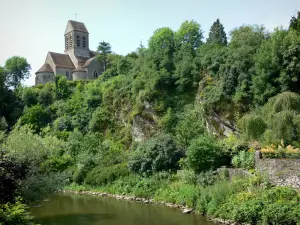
(62, 60)
(45, 68)
(78, 26)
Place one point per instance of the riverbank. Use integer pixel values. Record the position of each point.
(243, 200)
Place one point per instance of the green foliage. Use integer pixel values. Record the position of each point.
(157, 154)
(62, 87)
(37, 187)
(15, 214)
(101, 120)
(36, 117)
(275, 206)
(253, 126)
(3, 124)
(295, 22)
(104, 49)
(217, 34)
(244, 159)
(190, 126)
(103, 175)
(30, 96)
(16, 70)
(204, 153)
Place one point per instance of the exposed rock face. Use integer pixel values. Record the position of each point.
(143, 125)
(217, 125)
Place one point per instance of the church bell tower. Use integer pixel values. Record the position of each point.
(77, 39)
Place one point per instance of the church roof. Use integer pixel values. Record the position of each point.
(74, 25)
(45, 68)
(88, 62)
(62, 60)
(79, 69)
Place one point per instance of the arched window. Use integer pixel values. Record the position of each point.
(95, 74)
(68, 74)
(83, 42)
(71, 41)
(67, 42)
(78, 41)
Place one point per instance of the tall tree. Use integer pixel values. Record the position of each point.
(295, 23)
(16, 69)
(104, 49)
(217, 34)
(187, 39)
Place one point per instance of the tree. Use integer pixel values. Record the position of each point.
(295, 22)
(187, 39)
(189, 32)
(16, 70)
(158, 154)
(162, 48)
(104, 49)
(217, 34)
(35, 116)
(204, 153)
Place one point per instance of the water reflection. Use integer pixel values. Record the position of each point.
(91, 210)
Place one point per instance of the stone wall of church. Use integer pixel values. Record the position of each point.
(63, 72)
(79, 75)
(80, 50)
(43, 78)
(94, 66)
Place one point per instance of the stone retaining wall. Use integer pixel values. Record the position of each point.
(281, 172)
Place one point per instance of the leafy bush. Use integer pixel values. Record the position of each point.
(56, 163)
(244, 159)
(204, 154)
(3, 124)
(157, 154)
(189, 127)
(279, 205)
(37, 187)
(15, 214)
(253, 126)
(103, 175)
(36, 116)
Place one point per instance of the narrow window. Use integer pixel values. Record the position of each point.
(71, 41)
(95, 74)
(83, 42)
(68, 74)
(67, 42)
(78, 41)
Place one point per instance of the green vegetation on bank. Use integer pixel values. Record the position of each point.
(158, 122)
(244, 200)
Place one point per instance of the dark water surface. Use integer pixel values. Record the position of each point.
(93, 210)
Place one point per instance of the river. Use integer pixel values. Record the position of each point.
(67, 209)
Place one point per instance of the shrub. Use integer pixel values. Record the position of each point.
(157, 154)
(40, 186)
(15, 214)
(3, 124)
(244, 159)
(103, 175)
(204, 154)
(36, 116)
(253, 126)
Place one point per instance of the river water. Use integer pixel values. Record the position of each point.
(67, 209)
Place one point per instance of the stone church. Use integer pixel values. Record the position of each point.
(77, 63)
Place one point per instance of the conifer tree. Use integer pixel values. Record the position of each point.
(217, 34)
